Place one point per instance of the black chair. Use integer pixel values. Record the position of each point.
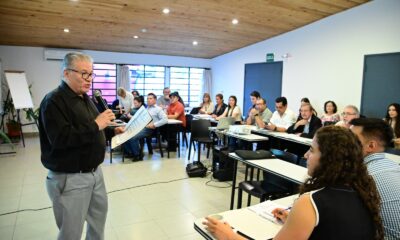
(272, 186)
(327, 123)
(200, 134)
(148, 140)
(393, 151)
(195, 110)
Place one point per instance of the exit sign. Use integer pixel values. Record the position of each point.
(270, 57)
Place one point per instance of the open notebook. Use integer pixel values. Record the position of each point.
(265, 209)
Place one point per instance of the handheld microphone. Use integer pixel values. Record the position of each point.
(100, 100)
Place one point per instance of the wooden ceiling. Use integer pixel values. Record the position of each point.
(110, 25)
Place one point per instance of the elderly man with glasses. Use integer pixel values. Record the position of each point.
(349, 113)
(72, 146)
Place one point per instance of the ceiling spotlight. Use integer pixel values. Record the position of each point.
(144, 30)
(165, 10)
(235, 21)
(135, 36)
(66, 30)
(195, 43)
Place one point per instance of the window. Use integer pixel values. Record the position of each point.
(187, 81)
(146, 79)
(106, 81)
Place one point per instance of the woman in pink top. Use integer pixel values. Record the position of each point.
(330, 114)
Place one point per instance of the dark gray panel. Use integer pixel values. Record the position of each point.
(265, 78)
(381, 83)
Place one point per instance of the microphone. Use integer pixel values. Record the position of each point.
(100, 100)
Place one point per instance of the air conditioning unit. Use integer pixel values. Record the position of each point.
(56, 54)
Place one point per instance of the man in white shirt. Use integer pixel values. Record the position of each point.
(282, 118)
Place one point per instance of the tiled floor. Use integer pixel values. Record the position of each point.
(156, 201)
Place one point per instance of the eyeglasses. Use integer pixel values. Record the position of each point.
(347, 114)
(85, 75)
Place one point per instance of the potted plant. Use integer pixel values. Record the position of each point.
(13, 126)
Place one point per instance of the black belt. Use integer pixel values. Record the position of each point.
(88, 170)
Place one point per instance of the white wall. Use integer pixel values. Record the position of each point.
(45, 75)
(327, 56)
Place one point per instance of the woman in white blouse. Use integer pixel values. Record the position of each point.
(232, 110)
(206, 107)
(330, 114)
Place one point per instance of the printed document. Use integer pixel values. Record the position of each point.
(265, 209)
(133, 127)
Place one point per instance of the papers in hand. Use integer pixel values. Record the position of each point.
(265, 209)
(133, 127)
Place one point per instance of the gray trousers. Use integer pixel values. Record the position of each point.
(76, 198)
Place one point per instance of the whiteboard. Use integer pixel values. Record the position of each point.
(19, 90)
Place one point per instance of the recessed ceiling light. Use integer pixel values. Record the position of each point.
(235, 21)
(195, 43)
(165, 10)
(135, 36)
(144, 30)
(66, 30)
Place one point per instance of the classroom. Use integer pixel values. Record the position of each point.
(322, 49)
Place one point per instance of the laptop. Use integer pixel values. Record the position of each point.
(225, 122)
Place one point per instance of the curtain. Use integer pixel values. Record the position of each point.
(124, 77)
(207, 80)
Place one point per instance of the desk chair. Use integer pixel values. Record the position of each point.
(272, 187)
(148, 140)
(200, 134)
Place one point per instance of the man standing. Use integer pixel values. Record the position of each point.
(375, 135)
(282, 118)
(132, 146)
(73, 146)
(260, 115)
(308, 124)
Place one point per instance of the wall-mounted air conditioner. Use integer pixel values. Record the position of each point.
(56, 54)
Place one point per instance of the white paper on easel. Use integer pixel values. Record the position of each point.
(133, 127)
(19, 90)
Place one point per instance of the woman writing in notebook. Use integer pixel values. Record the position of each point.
(338, 201)
(232, 110)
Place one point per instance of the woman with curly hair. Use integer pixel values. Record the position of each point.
(338, 201)
(393, 119)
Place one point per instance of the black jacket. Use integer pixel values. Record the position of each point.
(315, 123)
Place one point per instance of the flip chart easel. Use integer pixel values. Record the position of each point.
(19, 92)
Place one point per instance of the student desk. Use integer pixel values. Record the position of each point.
(289, 171)
(248, 222)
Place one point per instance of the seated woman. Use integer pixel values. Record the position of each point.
(338, 201)
(220, 107)
(137, 103)
(206, 107)
(232, 110)
(330, 116)
(393, 119)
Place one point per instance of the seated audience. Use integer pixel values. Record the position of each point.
(330, 114)
(220, 106)
(375, 135)
(393, 119)
(338, 201)
(132, 146)
(260, 115)
(125, 100)
(164, 100)
(206, 107)
(137, 103)
(305, 101)
(135, 93)
(282, 118)
(176, 109)
(308, 124)
(232, 110)
(254, 95)
(349, 112)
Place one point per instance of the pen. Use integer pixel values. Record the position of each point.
(286, 209)
(244, 235)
